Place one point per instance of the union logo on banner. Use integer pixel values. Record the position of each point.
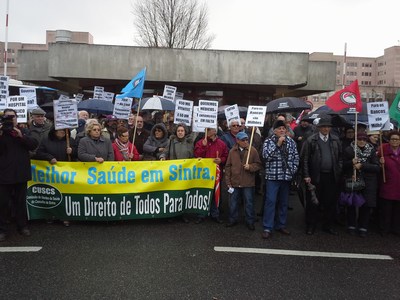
(348, 98)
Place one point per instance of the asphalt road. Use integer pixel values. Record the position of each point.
(156, 259)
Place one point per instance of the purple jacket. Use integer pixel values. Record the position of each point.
(390, 189)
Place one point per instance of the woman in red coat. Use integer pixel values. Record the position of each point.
(389, 191)
(123, 148)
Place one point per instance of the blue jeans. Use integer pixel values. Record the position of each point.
(277, 194)
(247, 193)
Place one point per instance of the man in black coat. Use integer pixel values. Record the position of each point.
(15, 171)
(321, 159)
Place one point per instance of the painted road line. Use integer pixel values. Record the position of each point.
(302, 253)
(20, 249)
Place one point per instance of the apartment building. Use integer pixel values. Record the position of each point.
(52, 36)
(378, 78)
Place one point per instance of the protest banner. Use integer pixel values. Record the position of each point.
(65, 114)
(3, 91)
(122, 108)
(183, 112)
(30, 94)
(98, 92)
(18, 103)
(169, 92)
(256, 116)
(208, 114)
(120, 190)
(378, 116)
(232, 113)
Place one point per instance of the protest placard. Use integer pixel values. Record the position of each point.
(178, 95)
(3, 91)
(98, 92)
(378, 116)
(232, 113)
(107, 96)
(79, 97)
(19, 104)
(122, 108)
(65, 114)
(30, 94)
(195, 127)
(255, 116)
(169, 92)
(183, 112)
(208, 113)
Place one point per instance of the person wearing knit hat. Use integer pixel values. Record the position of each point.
(281, 164)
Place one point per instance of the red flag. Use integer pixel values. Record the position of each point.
(349, 97)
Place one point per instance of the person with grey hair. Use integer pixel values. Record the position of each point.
(229, 138)
(94, 147)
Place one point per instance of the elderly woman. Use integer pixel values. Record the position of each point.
(123, 149)
(156, 144)
(54, 147)
(180, 144)
(366, 164)
(389, 191)
(94, 147)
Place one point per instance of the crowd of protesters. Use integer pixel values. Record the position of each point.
(316, 158)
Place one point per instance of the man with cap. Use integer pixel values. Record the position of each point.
(281, 164)
(240, 179)
(110, 127)
(322, 166)
(39, 127)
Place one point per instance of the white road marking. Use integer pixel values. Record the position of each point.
(20, 249)
(302, 253)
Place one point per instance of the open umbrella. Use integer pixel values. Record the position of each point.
(96, 106)
(287, 104)
(349, 115)
(157, 103)
(337, 120)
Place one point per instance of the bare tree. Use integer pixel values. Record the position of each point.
(172, 24)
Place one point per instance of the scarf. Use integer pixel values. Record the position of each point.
(123, 149)
(363, 154)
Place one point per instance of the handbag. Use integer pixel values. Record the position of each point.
(351, 185)
(351, 199)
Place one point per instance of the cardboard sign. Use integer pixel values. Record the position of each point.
(20, 105)
(30, 94)
(65, 114)
(169, 92)
(232, 113)
(122, 108)
(208, 114)
(256, 116)
(378, 116)
(183, 112)
(3, 91)
(98, 92)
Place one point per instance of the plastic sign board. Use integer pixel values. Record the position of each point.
(255, 116)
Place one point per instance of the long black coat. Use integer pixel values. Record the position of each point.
(369, 171)
(51, 147)
(15, 163)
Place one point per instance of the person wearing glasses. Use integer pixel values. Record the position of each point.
(94, 147)
(156, 144)
(366, 165)
(123, 148)
(15, 172)
(229, 138)
(240, 177)
(389, 191)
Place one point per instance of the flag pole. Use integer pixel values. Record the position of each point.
(134, 128)
(6, 39)
(344, 66)
(355, 142)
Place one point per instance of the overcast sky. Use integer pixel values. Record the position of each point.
(367, 26)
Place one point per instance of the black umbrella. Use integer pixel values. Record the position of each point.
(350, 116)
(96, 106)
(337, 120)
(287, 104)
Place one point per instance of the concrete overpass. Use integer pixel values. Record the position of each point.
(243, 77)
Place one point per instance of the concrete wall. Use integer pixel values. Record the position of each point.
(202, 66)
